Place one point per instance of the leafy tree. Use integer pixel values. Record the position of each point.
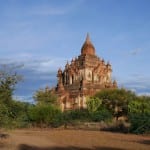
(116, 100)
(45, 96)
(93, 104)
(97, 111)
(140, 105)
(8, 81)
(139, 114)
(13, 113)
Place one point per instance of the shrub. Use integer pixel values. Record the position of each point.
(3, 115)
(139, 115)
(45, 115)
(101, 115)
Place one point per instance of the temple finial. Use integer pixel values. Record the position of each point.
(88, 38)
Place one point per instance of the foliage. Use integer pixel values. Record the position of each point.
(8, 80)
(45, 115)
(140, 123)
(139, 105)
(93, 104)
(45, 96)
(116, 100)
(3, 114)
(139, 115)
(78, 114)
(97, 111)
(102, 114)
(14, 115)
(10, 110)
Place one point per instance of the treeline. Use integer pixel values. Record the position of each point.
(112, 106)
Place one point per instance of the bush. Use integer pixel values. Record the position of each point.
(140, 123)
(45, 115)
(3, 115)
(75, 115)
(139, 115)
(101, 115)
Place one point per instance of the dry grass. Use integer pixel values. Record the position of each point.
(73, 140)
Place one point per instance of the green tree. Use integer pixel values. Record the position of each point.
(45, 96)
(139, 114)
(8, 80)
(93, 104)
(116, 100)
(97, 111)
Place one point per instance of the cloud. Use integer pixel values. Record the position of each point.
(40, 66)
(45, 65)
(138, 83)
(24, 98)
(144, 94)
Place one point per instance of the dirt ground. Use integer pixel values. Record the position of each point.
(49, 139)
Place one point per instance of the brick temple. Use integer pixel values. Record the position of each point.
(83, 77)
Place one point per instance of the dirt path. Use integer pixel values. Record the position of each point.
(73, 140)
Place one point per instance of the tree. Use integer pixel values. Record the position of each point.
(93, 104)
(116, 100)
(97, 111)
(139, 105)
(45, 96)
(139, 114)
(8, 80)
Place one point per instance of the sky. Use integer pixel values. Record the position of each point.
(41, 35)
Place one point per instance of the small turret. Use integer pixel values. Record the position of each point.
(108, 65)
(103, 61)
(67, 65)
(59, 72)
(72, 61)
(115, 84)
(60, 86)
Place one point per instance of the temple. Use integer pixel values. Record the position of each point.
(83, 77)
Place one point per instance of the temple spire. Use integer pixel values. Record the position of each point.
(87, 47)
(88, 38)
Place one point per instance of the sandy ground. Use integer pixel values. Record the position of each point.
(73, 140)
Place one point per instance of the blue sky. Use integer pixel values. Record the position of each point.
(43, 34)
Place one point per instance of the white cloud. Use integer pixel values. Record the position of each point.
(44, 65)
(24, 98)
(144, 93)
(139, 83)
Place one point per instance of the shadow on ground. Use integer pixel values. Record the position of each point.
(28, 147)
(4, 136)
(3, 140)
(147, 142)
